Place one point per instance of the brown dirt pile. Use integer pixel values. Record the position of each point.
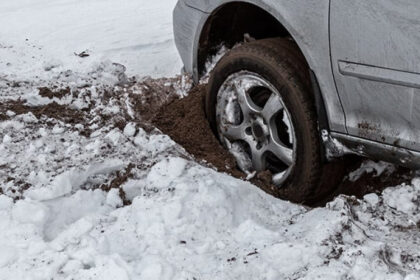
(156, 93)
(184, 120)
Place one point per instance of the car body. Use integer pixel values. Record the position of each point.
(364, 57)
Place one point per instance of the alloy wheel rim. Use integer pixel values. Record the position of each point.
(255, 126)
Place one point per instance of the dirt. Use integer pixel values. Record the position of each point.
(52, 110)
(185, 122)
(51, 93)
(155, 94)
(372, 183)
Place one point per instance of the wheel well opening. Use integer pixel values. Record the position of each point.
(228, 25)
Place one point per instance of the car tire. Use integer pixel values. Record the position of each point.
(279, 64)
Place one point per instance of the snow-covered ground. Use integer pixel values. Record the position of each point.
(135, 33)
(91, 192)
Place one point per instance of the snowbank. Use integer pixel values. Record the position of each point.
(190, 222)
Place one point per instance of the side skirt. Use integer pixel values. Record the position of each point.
(346, 144)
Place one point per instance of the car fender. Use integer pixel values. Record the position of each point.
(307, 21)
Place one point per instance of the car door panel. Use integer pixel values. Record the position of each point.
(375, 52)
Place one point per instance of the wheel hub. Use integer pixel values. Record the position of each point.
(259, 129)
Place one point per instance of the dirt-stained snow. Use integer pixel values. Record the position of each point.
(90, 190)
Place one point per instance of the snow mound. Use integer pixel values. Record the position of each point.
(192, 222)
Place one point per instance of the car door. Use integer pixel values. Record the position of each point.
(375, 54)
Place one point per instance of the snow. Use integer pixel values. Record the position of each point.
(404, 199)
(189, 222)
(113, 198)
(130, 130)
(62, 215)
(135, 33)
(370, 166)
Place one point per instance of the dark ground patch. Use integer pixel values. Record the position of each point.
(52, 110)
(51, 93)
(371, 183)
(49, 111)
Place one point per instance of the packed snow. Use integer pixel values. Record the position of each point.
(89, 191)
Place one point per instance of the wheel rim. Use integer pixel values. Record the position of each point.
(255, 126)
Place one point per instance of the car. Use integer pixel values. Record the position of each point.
(306, 82)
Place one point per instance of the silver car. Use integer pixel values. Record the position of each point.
(306, 82)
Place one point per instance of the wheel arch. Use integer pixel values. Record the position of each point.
(219, 27)
(265, 22)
